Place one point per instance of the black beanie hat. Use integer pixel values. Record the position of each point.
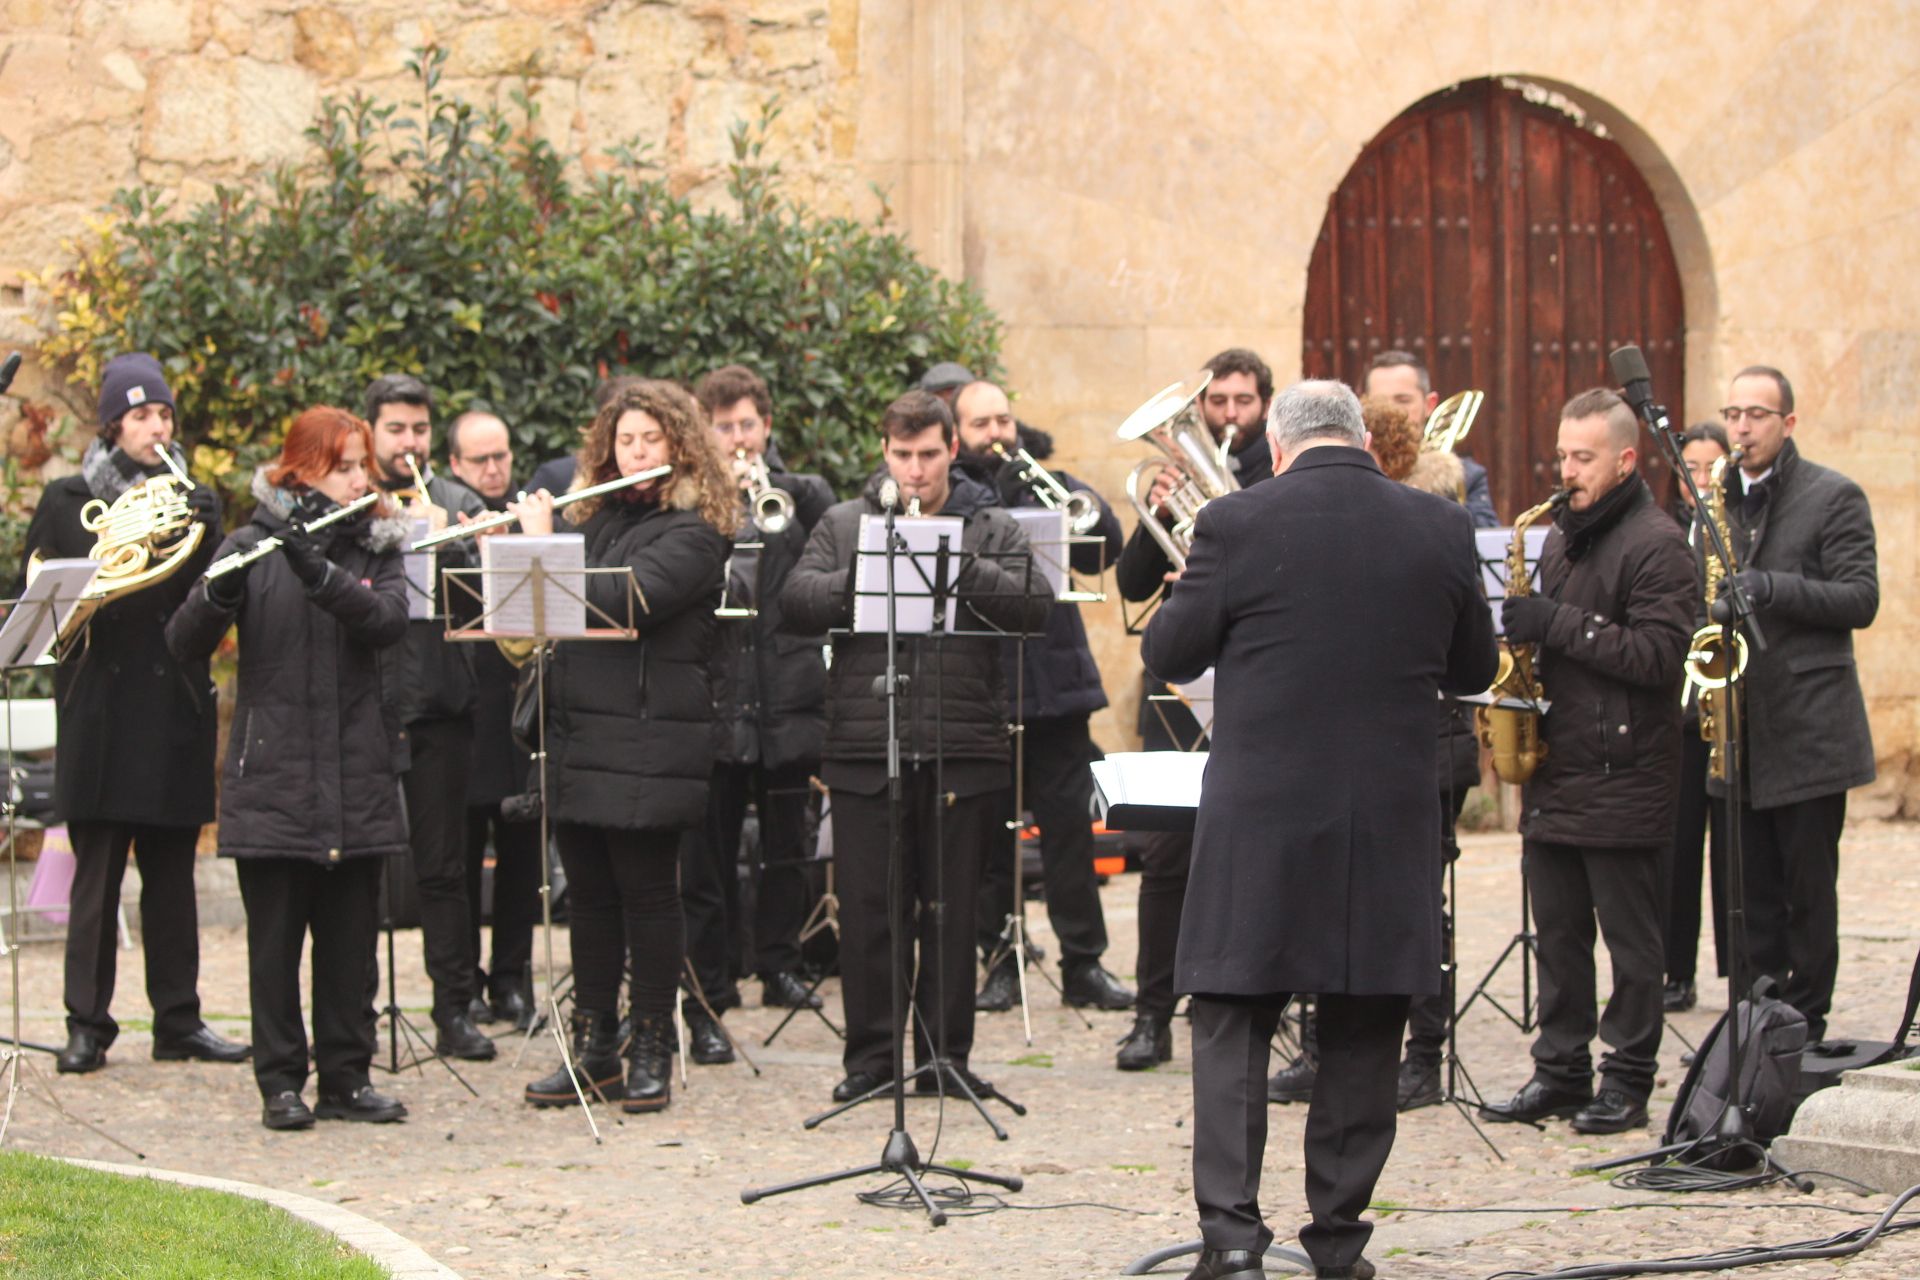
(129, 381)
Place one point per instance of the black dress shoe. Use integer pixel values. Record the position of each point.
(1360, 1270)
(1000, 991)
(707, 1044)
(1149, 1044)
(857, 1085)
(1537, 1100)
(1613, 1111)
(512, 1005)
(784, 990)
(1227, 1264)
(928, 1084)
(202, 1046)
(86, 1051)
(1419, 1084)
(1293, 1082)
(459, 1038)
(1086, 985)
(479, 1011)
(1679, 997)
(363, 1104)
(286, 1110)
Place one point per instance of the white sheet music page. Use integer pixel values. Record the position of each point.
(507, 559)
(915, 569)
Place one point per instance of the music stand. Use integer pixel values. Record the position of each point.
(823, 917)
(523, 603)
(27, 640)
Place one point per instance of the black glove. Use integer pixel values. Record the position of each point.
(1525, 619)
(304, 556)
(310, 506)
(1758, 586)
(204, 503)
(230, 588)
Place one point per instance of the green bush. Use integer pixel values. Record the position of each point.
(451, 242)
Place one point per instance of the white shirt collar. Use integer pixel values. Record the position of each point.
(1747, 482)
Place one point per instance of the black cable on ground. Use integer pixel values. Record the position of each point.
(962, 1201)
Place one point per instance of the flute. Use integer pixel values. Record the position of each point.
(271, 543)
(504, 518)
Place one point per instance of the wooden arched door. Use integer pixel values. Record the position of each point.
(1511, 248)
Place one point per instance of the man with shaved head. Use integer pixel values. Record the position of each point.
(1610, 623)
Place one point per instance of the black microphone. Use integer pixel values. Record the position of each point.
(7, 370)
(1635, 379)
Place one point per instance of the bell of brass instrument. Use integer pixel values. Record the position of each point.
(1081, 507)
(1451, 419)
(145, 536)
(1170, 422)
(1716, 655)
(1512, 735)
(770, 507)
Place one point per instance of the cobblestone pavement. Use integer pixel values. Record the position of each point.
(497, 1190)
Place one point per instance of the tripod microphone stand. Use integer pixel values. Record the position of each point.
(899, 1156)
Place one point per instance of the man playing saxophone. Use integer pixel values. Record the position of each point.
(1610, 622)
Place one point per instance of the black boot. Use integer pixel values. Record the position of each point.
(596, 1061)
(649, 1064)
(1149, 1044)
(707, 1044)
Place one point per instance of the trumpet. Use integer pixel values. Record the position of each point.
(771, 508)
(1081, 507)
(1169, 422)
(272, 542)
(504, 518)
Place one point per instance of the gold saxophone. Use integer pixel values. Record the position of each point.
(1716, 657)
(1510, 734)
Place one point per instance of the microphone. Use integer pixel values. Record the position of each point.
(7, 370)
(889, 494)
(1635, 379)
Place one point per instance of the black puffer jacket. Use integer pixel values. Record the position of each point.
(1611, 667)
(630, 722)
(769, 685)
(309, 771)
(964, 670)
(137, 726)
(430, 677)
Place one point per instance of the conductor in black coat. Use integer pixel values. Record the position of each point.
(1333, 600)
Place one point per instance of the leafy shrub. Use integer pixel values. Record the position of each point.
(452, 243)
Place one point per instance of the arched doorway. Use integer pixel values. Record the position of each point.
(1511, 245)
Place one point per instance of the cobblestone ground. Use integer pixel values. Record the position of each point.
(497, 1190)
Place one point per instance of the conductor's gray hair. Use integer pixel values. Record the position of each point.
(1315, 410)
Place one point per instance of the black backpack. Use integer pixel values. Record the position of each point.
(1824, 1063)
(1773, 1036)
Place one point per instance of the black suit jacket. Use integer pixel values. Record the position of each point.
(1333, 605)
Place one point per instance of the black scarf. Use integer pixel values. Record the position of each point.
(1584, 528)
(110, 471)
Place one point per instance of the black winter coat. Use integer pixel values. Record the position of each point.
(136, 725)
(770, 685)
(630, 722)
(1806, 721)
(1611, 667)
(430, 677)
(309, 772)
(963, 670)
(1334, 606)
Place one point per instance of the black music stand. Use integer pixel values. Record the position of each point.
(536, 590)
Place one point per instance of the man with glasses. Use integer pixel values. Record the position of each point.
(1804, 547)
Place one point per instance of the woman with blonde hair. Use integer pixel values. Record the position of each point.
(630, 727)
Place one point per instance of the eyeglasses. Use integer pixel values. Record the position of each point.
(1752, 412)
(499, 459)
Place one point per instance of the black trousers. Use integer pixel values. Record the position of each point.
(1624, 889)
(516, 896)
(710, 877)
(623, 903)
(169, 925)
(1427, 1016)
(287, 899)
(1059, 791)
(1701, 820)
(1792, 869)
(1350, 1122)
(1165, 859)
(436, 790)
(937, 891)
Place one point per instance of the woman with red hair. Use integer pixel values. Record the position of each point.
(309, 804)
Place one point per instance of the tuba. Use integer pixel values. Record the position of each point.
(1716, 656)
(1510, 734)
(1170, 423)
(145, 536)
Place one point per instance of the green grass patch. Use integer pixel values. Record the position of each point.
(1394, 1252)
(1032, 1060)
(58, 1222)
(958, 1162)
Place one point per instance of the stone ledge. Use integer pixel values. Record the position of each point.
(402, 1258)
(1867, 1129)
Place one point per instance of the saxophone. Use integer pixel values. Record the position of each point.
(1510, 734)
(1716, 657)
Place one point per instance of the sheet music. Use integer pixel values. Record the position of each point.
(422, 590)
(507, 591)
(914, 570)
(1046, 531)
(34, 622)
(1491, 546)
(1149, 790)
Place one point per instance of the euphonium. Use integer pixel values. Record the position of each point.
(1716, 657)
(1510, 734)
(1451, 419)
(1170, 423)
(144, 536)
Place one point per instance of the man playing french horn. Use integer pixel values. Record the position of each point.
(1610, 624)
